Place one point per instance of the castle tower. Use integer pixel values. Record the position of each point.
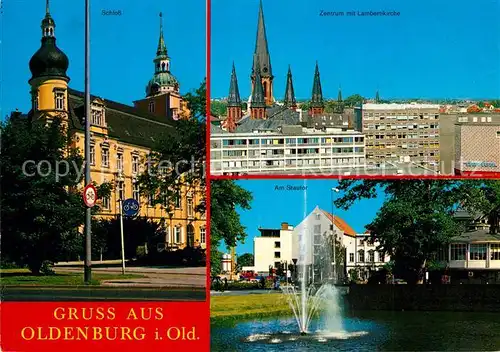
(317, 105)
(262, 58)
(234, 112)
(49, 82)
(258, 106)
(162, 91)
(289, 99)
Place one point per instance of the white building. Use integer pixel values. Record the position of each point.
(362, 256)
(293, 150)
(272, 247)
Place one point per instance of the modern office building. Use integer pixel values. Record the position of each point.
(122, 136)
(400, 133)
(477, 144)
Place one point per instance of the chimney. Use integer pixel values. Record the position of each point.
(284, 226)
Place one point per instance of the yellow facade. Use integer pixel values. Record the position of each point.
(119, 164)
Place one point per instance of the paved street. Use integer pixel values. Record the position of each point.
(154, 277)
(99, 293)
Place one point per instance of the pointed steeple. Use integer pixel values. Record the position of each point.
(340, 102)
(289, 100)
(317, 93)
(261, 53)
(377, 97)
(258, 99)
(162, 48)
(234, 93)
(339, 97)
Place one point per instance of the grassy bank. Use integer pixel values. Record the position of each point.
(24, 277)
(233, 308)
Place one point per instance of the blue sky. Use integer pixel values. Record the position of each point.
(434, 49)
(122, 47)
(271, 207)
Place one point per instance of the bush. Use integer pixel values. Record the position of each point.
(46, 268)
(188, 256)
(9, 265)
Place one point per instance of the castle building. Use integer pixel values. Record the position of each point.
(121, 136)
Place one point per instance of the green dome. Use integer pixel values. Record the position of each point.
(161, 79)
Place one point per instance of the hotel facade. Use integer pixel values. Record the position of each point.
(122, 136)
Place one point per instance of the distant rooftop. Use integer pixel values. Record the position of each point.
(394, 106)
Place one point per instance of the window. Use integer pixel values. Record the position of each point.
(351, 257)
(277, 244)
(317, 229)
(190, 210)
(458, 251)
(203, 235)
(371, 256)
(177, 238)
(151, 106)
(34, 99)
(135, 164)
(498, 134)
(361, 256)
(105, 203)
(92, 155)
(135, 192)
(105, 157)
(477, 252)
(177, 200)
(121, 190)
(151, 200)
(381, 257)
(277, 255)
(495, 251)
(60, 100)
(119, 161)
(318, 216)
(97, 118)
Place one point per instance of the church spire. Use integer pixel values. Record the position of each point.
(261, 53)
(234, 93)
(317, 103)
(162, 48)
(258, 99)
(289, 100)
(340, 102)
(339, 97)
(234, 111)
(377, 97)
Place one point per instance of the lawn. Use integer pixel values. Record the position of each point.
(24, 277)
(227, 308)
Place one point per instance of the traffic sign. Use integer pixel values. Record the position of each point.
(89, 195)
(130, 207)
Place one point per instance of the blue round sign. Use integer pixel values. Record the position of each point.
(130, 207)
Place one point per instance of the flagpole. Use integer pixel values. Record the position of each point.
(88, 215)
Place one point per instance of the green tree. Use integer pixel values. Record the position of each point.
(416, 219)
(218, 108)
(225, 224)
(354, 100)
(197, 101)
(42, 206)
(177, 161)
(245, 260)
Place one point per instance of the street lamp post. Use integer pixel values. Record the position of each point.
(88, 214)
(336, 190)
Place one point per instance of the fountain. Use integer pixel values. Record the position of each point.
(316, 294)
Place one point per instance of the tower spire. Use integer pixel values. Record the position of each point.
(162, 48)
(258, 103)
(289, 100)
(47, 8)
(234, 92)
(339, 97)
(234, 111)
(48, 24)
(377, 97)
(317, 103)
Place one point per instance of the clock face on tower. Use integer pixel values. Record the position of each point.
(264, 70)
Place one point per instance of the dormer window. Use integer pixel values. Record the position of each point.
(151, 106)
(97, 118)
(60, 99)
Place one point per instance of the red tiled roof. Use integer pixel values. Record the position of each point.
(341, 224)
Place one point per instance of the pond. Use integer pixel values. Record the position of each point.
(366, 331)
